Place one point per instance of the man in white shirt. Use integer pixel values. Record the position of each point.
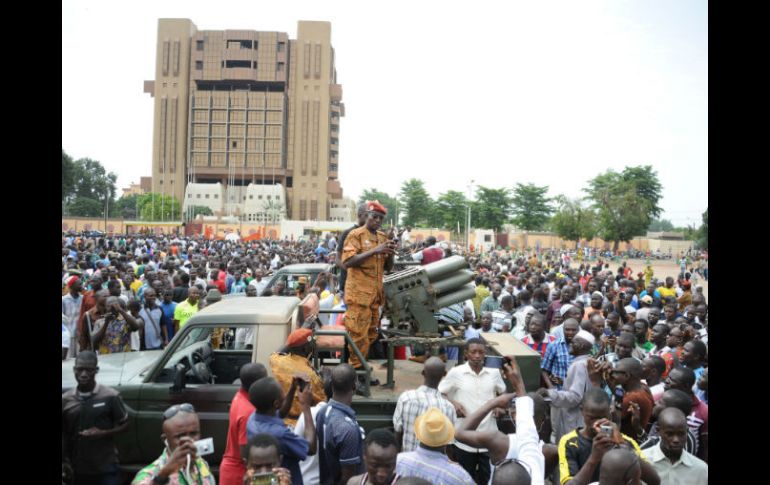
(468, 387)
(673, 463)
(525, 445)
(259, 282)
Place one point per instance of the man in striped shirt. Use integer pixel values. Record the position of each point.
(416, 402)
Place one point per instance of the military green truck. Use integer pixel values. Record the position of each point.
(191, 370)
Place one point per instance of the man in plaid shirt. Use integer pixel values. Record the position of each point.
(416, 402)
(557, 358)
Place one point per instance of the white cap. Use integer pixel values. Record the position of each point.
(565, 308)
(587, 336)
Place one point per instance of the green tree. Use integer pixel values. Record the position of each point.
(92, 180)
(531, 208)
(451, 208)
(126, 207)
(702, 234)
(626, 202)
(572, 221)
(416, 203)
(85, 207)
(491, 209)
(202, 210)
(67, 176)
(390, 203)
(158, 207)
(661, 225)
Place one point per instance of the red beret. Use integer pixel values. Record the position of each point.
(299, 337)
(71, 281)
(374, 205)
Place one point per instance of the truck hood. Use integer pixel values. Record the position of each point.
(114, 369)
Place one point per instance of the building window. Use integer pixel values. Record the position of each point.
(281, 46)
(259, 197)
(197, 196)
(199, 65)
(237, 63)
(277, 197)
(235, 144)
(207, 196)
(216, 196)
(280, 66)
(268, 197)
(251, 197)
(199, 45)
(189, 196)
(254, 65)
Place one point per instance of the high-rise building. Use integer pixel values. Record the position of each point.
(241, 107)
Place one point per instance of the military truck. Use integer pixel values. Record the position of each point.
(191, 370)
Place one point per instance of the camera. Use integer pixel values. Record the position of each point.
(268, 478)
(618, 395)
(493, 361)
(606, 429)
(204, 446)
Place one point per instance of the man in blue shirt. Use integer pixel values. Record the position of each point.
(167, 307)
(267, 397)
(340, 438)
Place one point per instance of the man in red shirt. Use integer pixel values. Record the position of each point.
(233, 468)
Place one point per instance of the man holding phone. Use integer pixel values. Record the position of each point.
(468, 387)
(179, 463)
(366, 256)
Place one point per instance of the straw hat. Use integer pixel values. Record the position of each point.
(434, 429)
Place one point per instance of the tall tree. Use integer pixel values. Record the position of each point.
(703, 231)
(572, 221)
(626, 202)
(67, 176)
(415, 203)
(127, 207)
(531, 208)
(390, 203)
(491, 209)
(85, 207)
(451, 208)
(660, 225)
(93, 181)
(159, 207)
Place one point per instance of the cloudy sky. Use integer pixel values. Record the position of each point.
(550, 93)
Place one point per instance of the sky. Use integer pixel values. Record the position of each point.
(498, 93)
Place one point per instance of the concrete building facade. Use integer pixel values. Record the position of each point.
(244, 107)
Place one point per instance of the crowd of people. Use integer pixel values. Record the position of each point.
(624, 359)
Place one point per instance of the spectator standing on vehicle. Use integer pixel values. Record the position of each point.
(367, 254)
(259, 282)
(92, 415)
(291, 362)
(360, 221)
(232, 469)
(181, 429)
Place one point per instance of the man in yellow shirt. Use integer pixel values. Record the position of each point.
(667, 290)
(186, 309)
(291, 362)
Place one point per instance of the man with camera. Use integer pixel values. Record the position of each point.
(180, 462)
(581, 450)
